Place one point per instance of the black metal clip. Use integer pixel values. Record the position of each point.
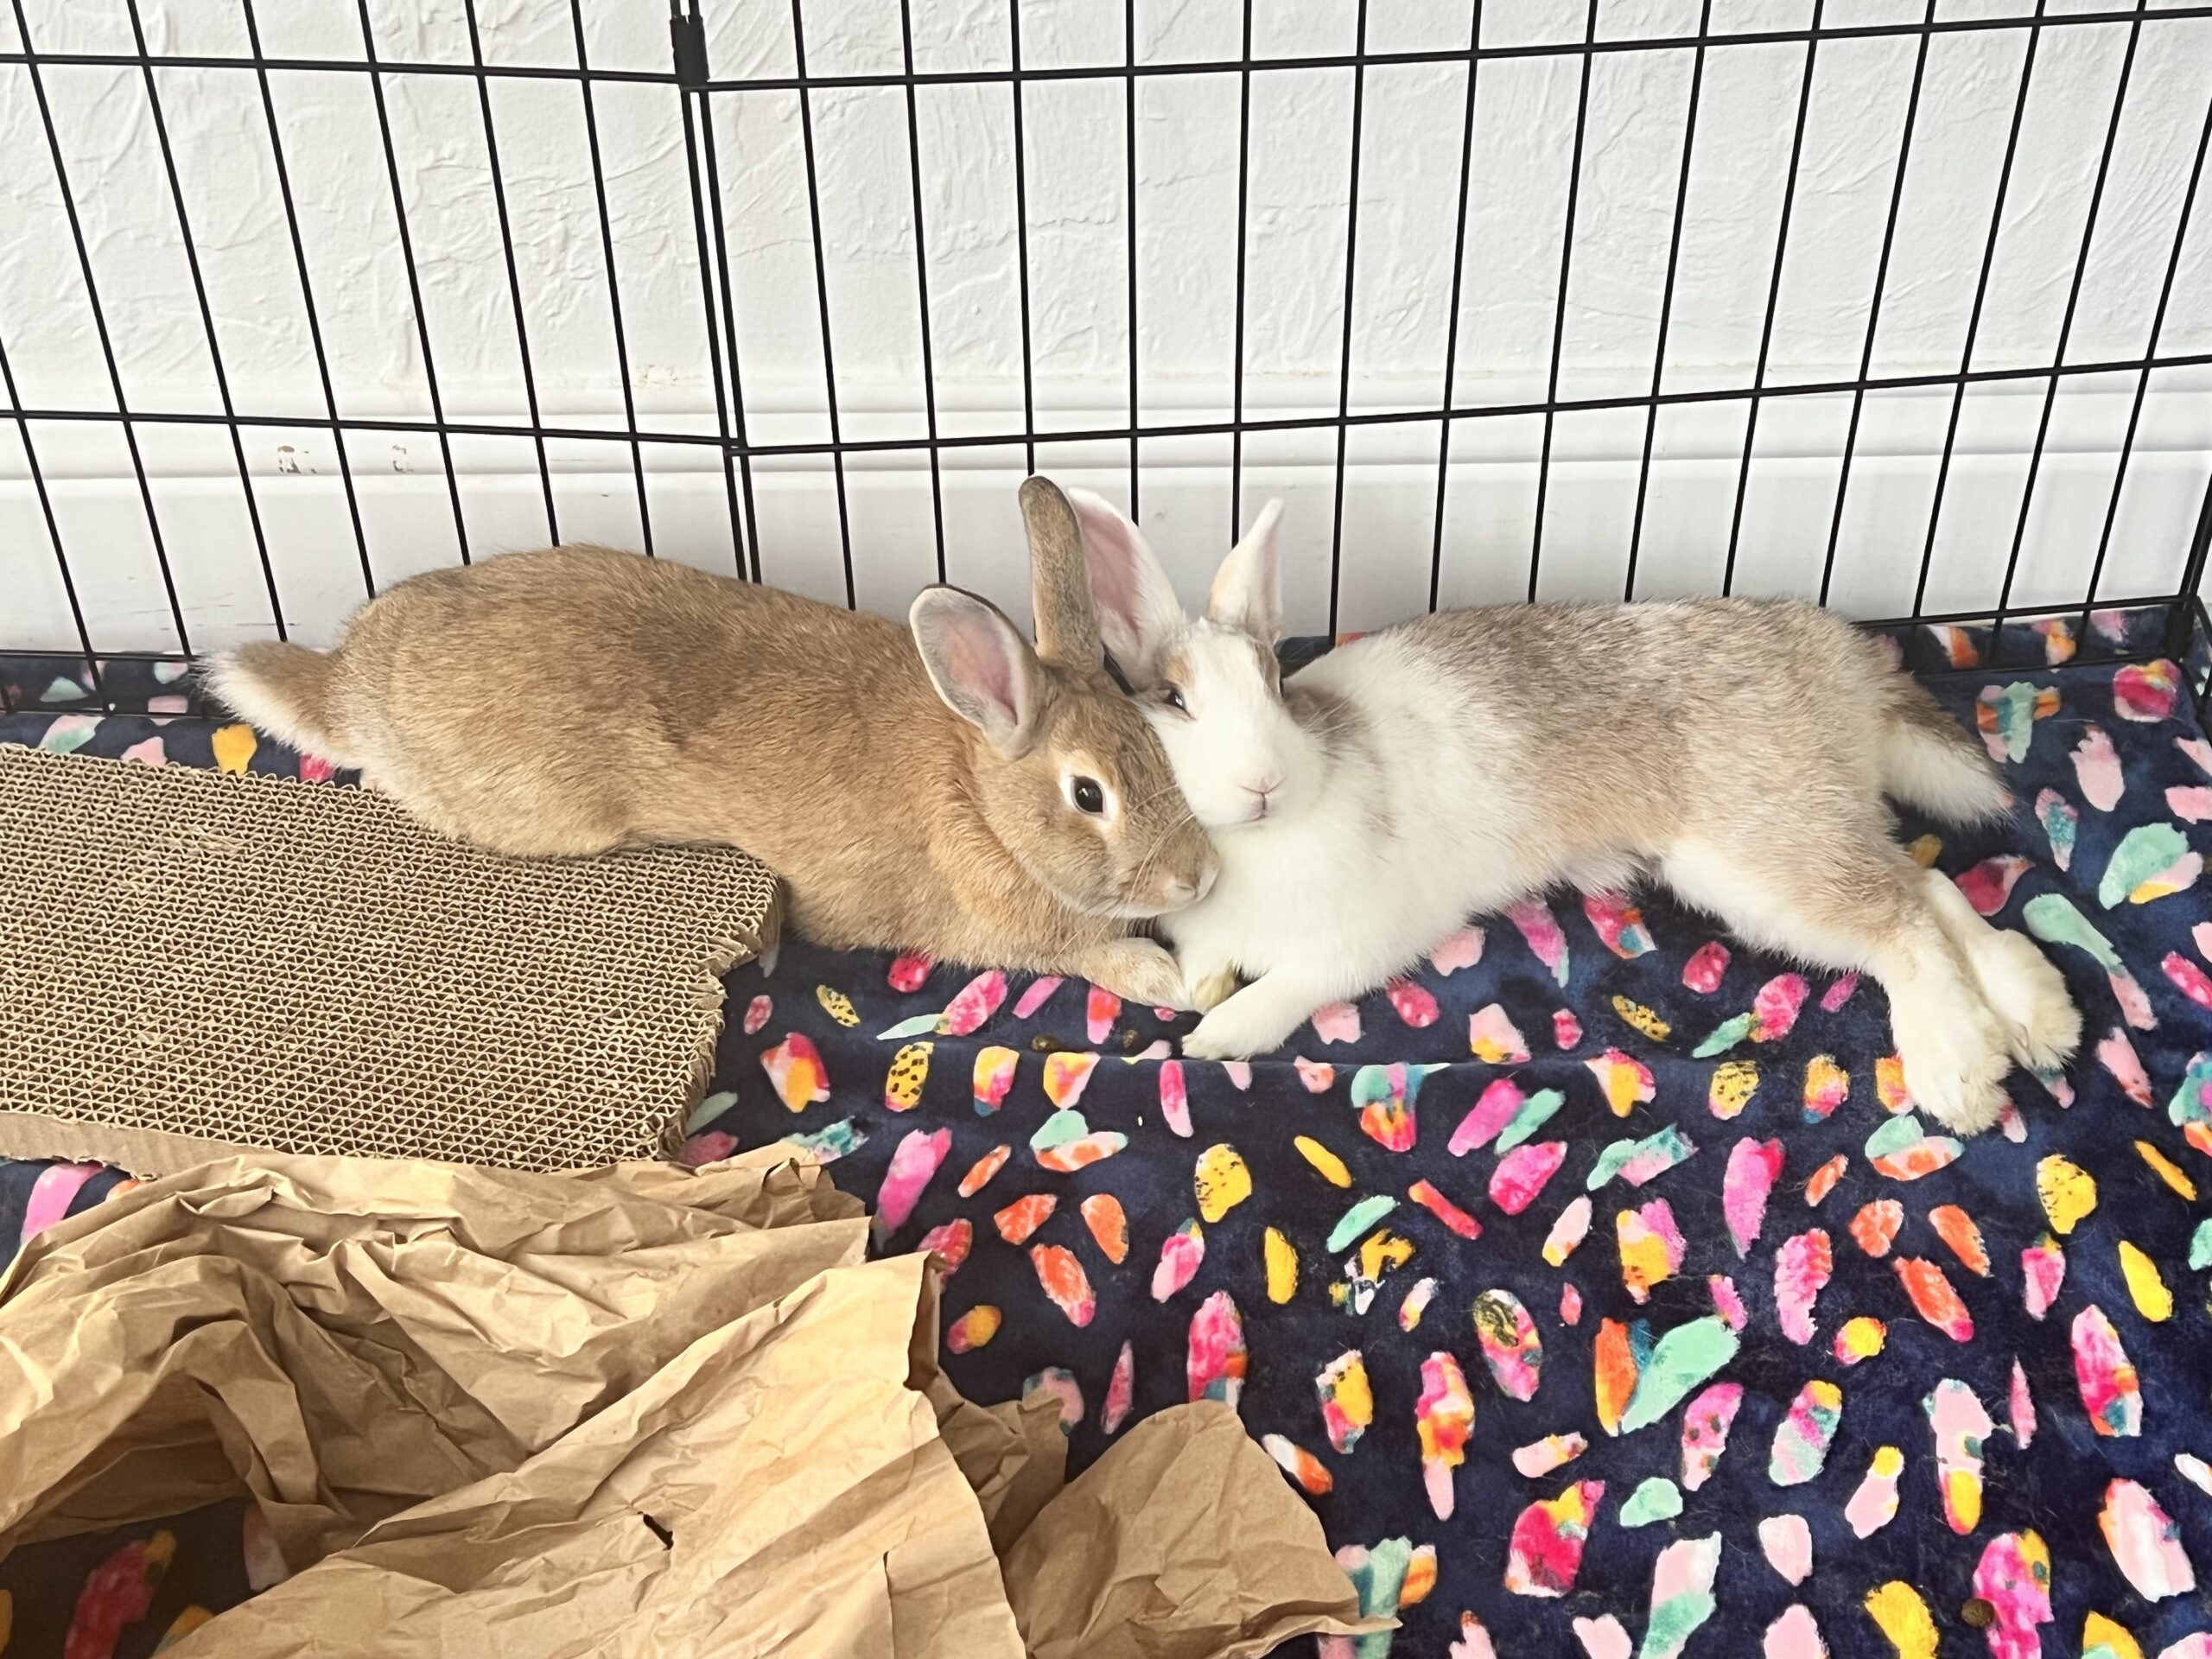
(687, 34)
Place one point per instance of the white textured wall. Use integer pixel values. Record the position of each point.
(1188, 172)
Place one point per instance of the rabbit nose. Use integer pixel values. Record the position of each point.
(1181, 890)
(1266, 787)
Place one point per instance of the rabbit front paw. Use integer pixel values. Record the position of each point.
(1136, 970)
(1258, 1020)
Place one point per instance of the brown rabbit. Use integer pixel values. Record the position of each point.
(974, 798)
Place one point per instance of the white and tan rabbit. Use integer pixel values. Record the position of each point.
(1367, 805)
(953, 791)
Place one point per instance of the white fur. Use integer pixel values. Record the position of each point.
(1416, 776)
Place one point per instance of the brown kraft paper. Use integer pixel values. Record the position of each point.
(640, 1410)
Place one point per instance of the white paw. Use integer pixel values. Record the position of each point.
(1955, 1059)
(1243, 1026)
(2042, 1028)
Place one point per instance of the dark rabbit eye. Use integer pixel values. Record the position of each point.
(1089, 797)
(1173, 698)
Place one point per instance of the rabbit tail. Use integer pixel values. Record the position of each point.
(1930, 762)
(285, 690)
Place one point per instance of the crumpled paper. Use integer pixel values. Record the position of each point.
(640, 1410)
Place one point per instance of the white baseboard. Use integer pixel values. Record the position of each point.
(1389, 493)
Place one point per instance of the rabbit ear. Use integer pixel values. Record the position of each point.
(1247, 591)
(980, 664)
(1067, 631)
(1135, 604)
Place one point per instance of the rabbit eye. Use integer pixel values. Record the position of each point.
(1173, 698)
(1089, 797)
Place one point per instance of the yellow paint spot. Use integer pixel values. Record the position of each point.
(1888, 1462)
(1734, 1083)
(1067, 1070)
(2099, 1632)
(2167, 1170)
(837, 1006)
(1900, 1614)
(977, 1326)
(1962, 1498)
(180, 1627)
(234, 746)
(1223, 1182)
(1827, 1085)
(1382, 1250)
(1350, 1392)
(2068, 1193)
(2152, 1300)
(1861, 1339)
(1331, 1167)
(1282, 1266)
(910, 1070)
(1643, 1018)
(1420, 1576)
(1889, 1083)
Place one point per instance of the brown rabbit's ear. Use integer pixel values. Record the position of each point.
(980, 664)
(1067, 629)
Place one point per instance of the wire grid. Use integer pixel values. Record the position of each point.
(696, 92)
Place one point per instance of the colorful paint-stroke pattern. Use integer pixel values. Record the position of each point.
(1598, 1283)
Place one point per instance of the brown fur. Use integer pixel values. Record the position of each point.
(575, 699)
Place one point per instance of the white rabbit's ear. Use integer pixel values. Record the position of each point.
(1247, 591)
(980, 664)
(1138, 612)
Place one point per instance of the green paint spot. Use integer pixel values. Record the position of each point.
(1534, 1113)
(1725, 1037)
(1684, 1357)
(708, 1110)
(1657, 1499)
(1361, 1217)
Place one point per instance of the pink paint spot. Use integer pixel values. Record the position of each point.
(1035, 994)
(912, 1165)
(1336, 1022)
(1101, 1009)
(1487, 1118)
(1174, 1097)
(1801, 1269)
(1522, 1174)
(708, 1148)
(1753, 1168)
(1465, 948)
(1704, 970)
(57, 1186)
(1774, 1010)
(1412, 1002)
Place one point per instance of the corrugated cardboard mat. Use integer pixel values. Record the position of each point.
(192, 964)
(641, 1411)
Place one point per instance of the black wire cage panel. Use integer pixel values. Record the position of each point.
(1903, 306)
